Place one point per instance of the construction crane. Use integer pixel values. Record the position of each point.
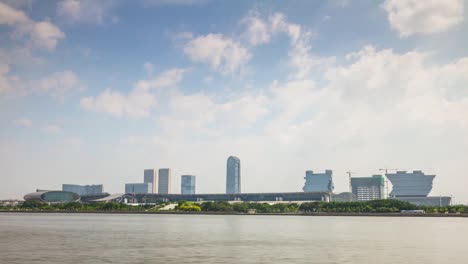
(349, 175)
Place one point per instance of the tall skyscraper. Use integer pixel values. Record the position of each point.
(368, 188)
(151, 176)
(318, 182)
(164, 181)
(187, 184)
(233, 175)
(415, 184)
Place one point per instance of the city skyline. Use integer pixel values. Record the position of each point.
(95, 91)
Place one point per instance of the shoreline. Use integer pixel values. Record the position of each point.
(241, 214)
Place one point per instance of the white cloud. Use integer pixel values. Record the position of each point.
(149, 3)
(223, 54)
(46, 35)
(60, 84)
(258, 31)
(52, 129)
(138, 102)
(43, 34)
(167, 78)
(149, 68)
(11, 16)
(410, 17)
(25, 122)
(86, 11)
(6, 86)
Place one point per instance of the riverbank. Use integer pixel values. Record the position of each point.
(236, 213)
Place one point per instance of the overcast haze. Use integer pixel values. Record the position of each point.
(94, 92)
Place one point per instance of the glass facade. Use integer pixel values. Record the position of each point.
(233, 175)
(138, 188)
(187, 184)
(151, 176)
(318, 182)
(368, 188)
(164, 181)
(415, 184)
(83, 189)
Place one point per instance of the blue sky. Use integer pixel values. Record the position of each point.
(96, 91)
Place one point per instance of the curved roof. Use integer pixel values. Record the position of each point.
(52, 196)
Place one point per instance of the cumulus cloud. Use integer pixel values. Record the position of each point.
(25, 122)
(60, 84)
(138, 102)
(410, 17)
(42, 34)
(223, 54)
(258, 31)
(86, 11)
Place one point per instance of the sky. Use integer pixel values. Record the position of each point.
(94, 92)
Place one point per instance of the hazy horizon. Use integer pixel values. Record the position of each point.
(94, 92)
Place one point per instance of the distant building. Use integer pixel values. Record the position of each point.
(414, 187)
(318, 182)
(151, 176)
(164, 181)
(138, 188)
(415, 184)
(368, 188)
(233, 175)
(52, 197)
(187, 184)
(435, 201)
(343, 197)
(83, 189)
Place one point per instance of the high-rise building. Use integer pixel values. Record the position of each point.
(83, 189)
(187, 184)
(368, 188)
(415, 184)
(151, 176)
(318, 182)
(233, 175)
(414, 187)
(164, 181)
(138, 188)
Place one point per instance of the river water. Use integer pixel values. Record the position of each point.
(106, 238)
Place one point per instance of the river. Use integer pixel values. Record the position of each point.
(111, 238)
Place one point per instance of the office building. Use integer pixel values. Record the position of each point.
(187, 184)
(414, 187)
(415, 184)
(138, 188)
(164, 181)
(233, 175)
(151, 176)
(83, 189)
(318, 182)
(368, 188)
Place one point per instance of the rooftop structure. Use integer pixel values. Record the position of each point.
(233, 175)
(318, 182)
(83, 189)
(52, 197)
(415, 184)
(368, 188)
(187, 184)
